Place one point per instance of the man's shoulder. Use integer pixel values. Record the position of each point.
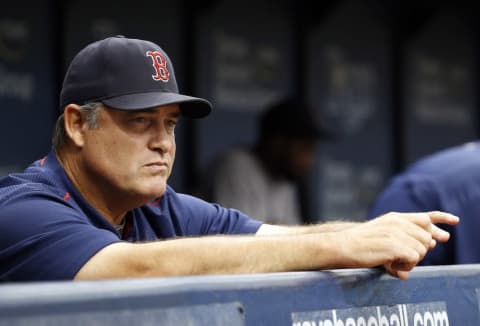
(451, 167)
(26, 184)
(460, 158)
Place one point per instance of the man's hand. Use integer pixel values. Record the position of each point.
(398, 241)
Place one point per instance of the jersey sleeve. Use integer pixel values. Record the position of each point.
(202, 218)
(43, 238)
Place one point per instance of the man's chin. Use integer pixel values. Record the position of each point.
(154, 192)
(158, 191)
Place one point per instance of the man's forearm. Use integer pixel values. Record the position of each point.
(248, 254)
(213, 255)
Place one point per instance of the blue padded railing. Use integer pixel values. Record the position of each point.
(433, 296)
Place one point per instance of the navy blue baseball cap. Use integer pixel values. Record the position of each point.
(126, 74)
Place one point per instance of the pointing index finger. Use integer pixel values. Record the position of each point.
(438, 217)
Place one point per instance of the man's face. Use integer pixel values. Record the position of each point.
(132, 152)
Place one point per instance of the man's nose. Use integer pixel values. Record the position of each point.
(161, 139)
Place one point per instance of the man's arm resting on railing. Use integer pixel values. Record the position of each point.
(397, 241)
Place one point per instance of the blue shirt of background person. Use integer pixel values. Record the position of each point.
(449, 181)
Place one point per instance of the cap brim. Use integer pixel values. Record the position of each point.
(190, 107)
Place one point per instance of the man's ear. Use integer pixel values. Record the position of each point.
(75, 124)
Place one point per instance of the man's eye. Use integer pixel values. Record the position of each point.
(140, 123)
(139, 120)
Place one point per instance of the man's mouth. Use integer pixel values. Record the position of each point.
(157, 167)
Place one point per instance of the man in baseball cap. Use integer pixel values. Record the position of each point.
(98, 204)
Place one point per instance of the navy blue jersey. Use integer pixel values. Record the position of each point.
(49, 231)
(447, 181)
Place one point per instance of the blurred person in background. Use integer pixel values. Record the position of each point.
(448, 180)
(267, 179)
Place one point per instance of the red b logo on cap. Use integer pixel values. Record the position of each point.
(159, 62)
